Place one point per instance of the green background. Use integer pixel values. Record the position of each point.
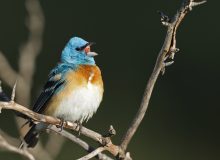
(182, 122)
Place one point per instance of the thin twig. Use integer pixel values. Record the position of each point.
(168, 47)
(54, 145)
(92, 154)
(4, 145)
(0, 86)
(80, 142)
(13, 91)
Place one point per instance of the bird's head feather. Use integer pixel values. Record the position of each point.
(77, 51)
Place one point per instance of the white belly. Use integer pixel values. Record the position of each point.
(81, 104)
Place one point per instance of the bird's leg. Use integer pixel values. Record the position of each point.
(79, 127)
(61, 125)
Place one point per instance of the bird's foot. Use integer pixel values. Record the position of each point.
(79, 127)
(61, 125)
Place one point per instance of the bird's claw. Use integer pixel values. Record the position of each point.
(79, 127)
(61, 125)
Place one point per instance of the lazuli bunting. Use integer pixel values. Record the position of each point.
(73, 91)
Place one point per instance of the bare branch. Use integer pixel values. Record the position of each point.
(27, 62)
(40, 153)
(4, 145)
(53, 146)
(0, 86)
(92, 154)
(12, 140)
(79, 141)
(7, 73)
(28, 53)
(168, 48)
(104, 141)
(13, 92)
(31, 49)
(194, 4)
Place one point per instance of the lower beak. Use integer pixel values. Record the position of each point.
(92, 54)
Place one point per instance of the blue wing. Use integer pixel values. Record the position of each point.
(55, 83)
(49, 89)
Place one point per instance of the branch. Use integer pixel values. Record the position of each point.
(27, 62)
(4, 145)
(167, 51)
(12, 140)
(54, 145)
(31, 49)
(28, 53)
(79, 141)
(103, 140)
(92, 154)
(7, 73)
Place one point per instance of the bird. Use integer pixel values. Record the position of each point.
(73, 91)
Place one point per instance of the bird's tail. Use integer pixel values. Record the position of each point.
(31, 138)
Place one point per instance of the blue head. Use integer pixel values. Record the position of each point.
(77, 51)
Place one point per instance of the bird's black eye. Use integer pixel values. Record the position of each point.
(77, 48)
(82, 47)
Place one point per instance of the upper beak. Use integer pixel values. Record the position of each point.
(92, 54)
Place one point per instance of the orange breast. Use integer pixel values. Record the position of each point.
(74, 79)
(83, 74)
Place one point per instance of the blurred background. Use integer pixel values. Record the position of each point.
(182, 121)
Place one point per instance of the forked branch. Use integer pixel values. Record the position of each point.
(168, 50)
(4, 145)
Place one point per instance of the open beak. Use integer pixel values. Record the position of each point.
(88, 51)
